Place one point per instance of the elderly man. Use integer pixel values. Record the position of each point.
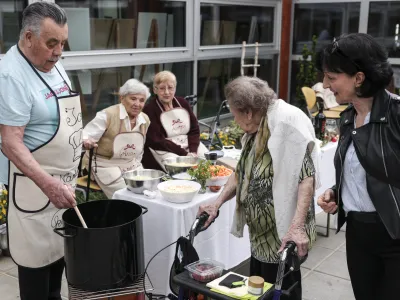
(41, 131)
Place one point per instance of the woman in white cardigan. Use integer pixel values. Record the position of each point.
(275, 177)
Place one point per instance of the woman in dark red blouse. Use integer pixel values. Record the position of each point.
(174, 130)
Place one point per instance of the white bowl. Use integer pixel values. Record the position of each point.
(218, 181)
(178, 197)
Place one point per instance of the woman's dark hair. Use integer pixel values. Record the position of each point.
(357, 52)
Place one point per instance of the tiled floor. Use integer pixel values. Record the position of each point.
(325, 275)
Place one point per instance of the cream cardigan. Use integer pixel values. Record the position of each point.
(291, 134)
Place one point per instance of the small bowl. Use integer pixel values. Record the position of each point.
(218, 181)
(180, 164)
(149, 181)
(178, 197)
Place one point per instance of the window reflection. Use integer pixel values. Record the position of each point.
(10, 23)
(213, 75)
(384, 25)
(124, 24)
(233, 24)
(325, 21)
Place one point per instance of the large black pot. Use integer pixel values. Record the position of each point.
(109, 252)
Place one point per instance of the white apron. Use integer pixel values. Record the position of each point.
(127, 150)
(176, 123)
(31, 217)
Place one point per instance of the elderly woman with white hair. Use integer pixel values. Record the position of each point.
(118, 134)
(275, 178)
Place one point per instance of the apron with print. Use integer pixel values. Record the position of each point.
(127, 151)
(31, 217)
(176, 123)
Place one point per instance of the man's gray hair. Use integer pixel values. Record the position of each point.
(35, 13)
(249, 93)
(134, 86)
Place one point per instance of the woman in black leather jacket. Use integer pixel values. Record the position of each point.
(367, 162)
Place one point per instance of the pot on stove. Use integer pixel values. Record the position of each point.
(107, 254)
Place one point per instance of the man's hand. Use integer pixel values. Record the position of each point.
(61, 195)
(89, 144)
(327, 202)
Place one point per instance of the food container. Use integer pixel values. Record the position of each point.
(205, 270)
(140, 180)
(255, 285)
(217, 181)
(179, 191)
(180, 164)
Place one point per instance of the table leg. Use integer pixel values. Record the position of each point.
(328, 223)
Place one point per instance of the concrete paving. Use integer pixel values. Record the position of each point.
(325, 275)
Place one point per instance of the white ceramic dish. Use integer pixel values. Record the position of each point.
(175, 196)
(218, 181)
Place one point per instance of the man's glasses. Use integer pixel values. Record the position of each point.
(335, 48)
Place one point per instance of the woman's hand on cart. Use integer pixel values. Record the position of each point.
(212, 210)
(297, 234)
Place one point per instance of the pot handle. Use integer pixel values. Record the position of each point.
(56, 230)
(145, 209)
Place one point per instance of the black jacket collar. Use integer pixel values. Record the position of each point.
(379, 111)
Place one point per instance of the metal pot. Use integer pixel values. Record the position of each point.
(107, 254)
(138, 186)
(180, 164)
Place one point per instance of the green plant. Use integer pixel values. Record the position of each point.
(307, 74)
(93, 196)
(3, 205)
(201, 173)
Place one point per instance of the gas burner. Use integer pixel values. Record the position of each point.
(126, 289)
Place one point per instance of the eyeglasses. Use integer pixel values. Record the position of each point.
(335, 48)
(164, 89)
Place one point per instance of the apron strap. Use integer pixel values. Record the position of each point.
(40, 77)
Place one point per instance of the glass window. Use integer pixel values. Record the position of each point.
(384, 25)
(396, 79)
(214, 74)
(124, 24)
(325, 21)
(233, 24)
(10, 23)
(99, 87)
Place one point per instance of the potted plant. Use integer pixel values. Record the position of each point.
(3, 216)
(307, 74)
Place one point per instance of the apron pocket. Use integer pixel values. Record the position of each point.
(27, 197)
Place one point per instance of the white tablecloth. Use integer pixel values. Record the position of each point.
(165, 222)
(327, 171)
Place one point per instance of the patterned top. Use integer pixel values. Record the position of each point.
(259, 204)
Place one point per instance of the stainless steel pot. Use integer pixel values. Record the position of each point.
(140, 180)
(180, 164)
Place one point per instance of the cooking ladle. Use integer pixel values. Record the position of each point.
(80, 216)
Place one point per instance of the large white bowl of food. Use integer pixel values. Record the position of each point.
(179, 191)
